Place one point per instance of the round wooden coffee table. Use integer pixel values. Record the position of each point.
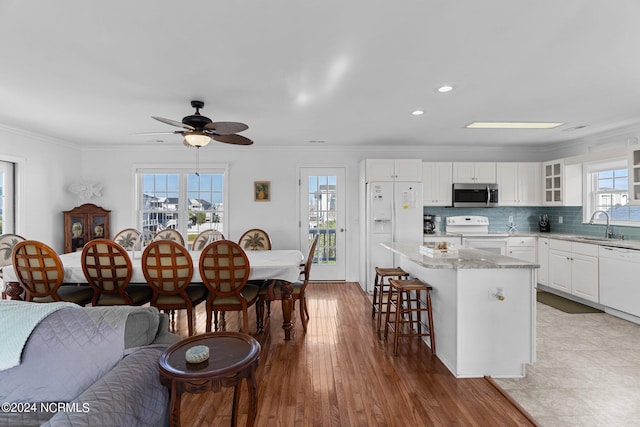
(232, 357)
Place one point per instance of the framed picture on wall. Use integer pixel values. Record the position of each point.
(261, 191)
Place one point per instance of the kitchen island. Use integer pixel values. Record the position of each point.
(484, 308)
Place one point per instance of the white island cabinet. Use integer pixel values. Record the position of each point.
(484, 313)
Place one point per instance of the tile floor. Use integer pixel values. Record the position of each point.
(587, 371)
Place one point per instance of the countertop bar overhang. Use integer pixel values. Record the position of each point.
(484, 309)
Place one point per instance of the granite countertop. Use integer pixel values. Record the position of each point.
(465, 258)
(615, 243)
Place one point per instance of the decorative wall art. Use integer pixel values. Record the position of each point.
(262, 191)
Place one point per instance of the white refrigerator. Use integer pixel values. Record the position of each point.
(393, 213)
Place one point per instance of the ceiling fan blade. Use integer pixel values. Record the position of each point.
(158, 133)
(226, 128)
(173, 122)
(233, 139)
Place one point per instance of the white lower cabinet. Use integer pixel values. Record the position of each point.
(543, 260)
(573, 268)
(523, 248)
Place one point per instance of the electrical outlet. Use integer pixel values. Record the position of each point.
(510, 219)
(560, 220)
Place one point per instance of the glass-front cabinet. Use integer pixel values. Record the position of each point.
(552, 182)
(561, 184)
(634, 176)
(84, 223)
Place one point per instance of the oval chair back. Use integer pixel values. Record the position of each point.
(169, 234)
(129, 238)
(168, 269)
(40, 272)
(204, 238)
(7, 243)
(224, 269)
(108, 269)
(255, 240)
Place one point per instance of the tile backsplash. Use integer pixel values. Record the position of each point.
(526, 219)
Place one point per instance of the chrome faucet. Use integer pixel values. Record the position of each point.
(607, 232)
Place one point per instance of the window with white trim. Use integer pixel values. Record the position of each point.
(608, 190)
(185, 201)
(7, 202)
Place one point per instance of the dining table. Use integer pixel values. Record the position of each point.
(271, 267)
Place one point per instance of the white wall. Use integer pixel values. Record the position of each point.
(114, 167)
(45, 168)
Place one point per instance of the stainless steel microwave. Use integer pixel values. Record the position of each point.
(475, 195)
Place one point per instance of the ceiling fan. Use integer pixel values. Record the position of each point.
(199, 130)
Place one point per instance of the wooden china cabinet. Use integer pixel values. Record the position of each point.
(84, 223)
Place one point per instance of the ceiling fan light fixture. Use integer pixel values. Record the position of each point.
(197, 139)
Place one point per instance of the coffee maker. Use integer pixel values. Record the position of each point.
(429, 224)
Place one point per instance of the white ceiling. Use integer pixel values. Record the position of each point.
(347, 72)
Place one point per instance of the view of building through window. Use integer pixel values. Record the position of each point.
(611, 194)
(322, 216)
(186, 202)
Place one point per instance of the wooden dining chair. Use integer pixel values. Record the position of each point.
(107, 267)
(255, 240)
(7, 243)
(41, 274)
(129, 238)
(168, 269)
(224, 269)
(204, 238)
(274, 290)
(169, 234)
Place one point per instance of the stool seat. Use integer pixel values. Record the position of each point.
(390, 271)
(411, 285)
(380, 288)
(405, 298)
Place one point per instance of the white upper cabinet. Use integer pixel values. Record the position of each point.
(634, 176)
(561, 184)
(437, 183)
(393, 170)
(518, 184)
(469, 172)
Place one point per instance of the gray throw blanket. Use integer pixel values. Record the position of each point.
(70, 357)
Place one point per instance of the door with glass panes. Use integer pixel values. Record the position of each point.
(322, 212)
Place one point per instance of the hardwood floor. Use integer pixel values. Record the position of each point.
(340, 373)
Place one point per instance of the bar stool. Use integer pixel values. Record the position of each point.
(379, 290)
(404, 296)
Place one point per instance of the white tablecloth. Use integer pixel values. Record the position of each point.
(273, 264)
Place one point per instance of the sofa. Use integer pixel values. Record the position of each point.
(84, 366)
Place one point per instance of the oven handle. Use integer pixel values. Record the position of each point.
(488, 195)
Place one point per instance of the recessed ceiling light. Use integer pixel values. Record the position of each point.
(417, 112)
(445, 88)
(513, 125)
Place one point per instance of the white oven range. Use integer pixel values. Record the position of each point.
(474, 230)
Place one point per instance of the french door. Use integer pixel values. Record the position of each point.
(322, 211)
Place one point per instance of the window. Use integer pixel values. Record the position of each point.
(7, 218)
(608, 190)
(183, 201)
